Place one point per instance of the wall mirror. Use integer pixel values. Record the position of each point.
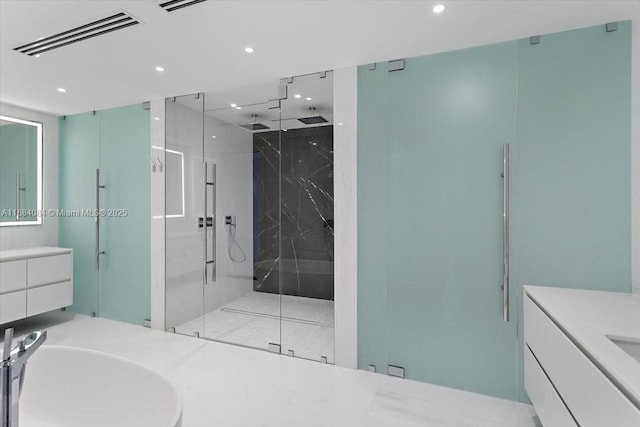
(20, 172)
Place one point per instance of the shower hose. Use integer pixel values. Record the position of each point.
(232, 241)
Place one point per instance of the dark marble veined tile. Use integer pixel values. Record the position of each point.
(293, 212)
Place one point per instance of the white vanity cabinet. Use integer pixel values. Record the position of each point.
(568, 384)
(34, 281)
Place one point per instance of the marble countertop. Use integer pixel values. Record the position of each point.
(23, 253)
(588, 317)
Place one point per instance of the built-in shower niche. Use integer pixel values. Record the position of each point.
(299, 197)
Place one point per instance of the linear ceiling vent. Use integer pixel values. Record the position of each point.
(172, 5)
(114, 21)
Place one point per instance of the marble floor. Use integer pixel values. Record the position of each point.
(232, 386)
(254, 321)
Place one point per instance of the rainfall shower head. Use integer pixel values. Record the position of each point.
(314, 119)
(254, 125)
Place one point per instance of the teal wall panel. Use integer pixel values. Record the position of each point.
(124, 151)
(117, 142)
(78, 160)
(450, 115)
(571, 206)
(430, 198)
(373, 216)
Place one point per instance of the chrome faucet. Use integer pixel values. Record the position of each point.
(12, 368)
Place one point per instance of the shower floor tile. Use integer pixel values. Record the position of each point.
(254, 321)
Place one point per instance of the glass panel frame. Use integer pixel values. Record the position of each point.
(184, 233)
(235, 312)
(307, 274)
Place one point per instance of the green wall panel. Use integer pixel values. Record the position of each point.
(373, 216)
(117, 142)
(571, 206)
(430, 198)
(78, 160)
(125, 281)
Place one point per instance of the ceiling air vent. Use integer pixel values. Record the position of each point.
(172, 5)
(114, 21)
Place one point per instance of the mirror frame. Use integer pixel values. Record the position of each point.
(39, 173)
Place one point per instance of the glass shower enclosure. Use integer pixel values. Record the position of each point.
(249, 217)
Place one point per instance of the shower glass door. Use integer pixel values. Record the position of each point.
(249, 217)
(242, 146)
(430, 160)
(306, 273)
(222, 213)
(445, 231)
(185, 223)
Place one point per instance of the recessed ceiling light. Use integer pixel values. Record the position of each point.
(62, 90)
(248, 49)
(234, 105)
(213, 136)
(238, 108)
(37, 55)
(439, 8)
(340, 124)
(159, 69)
(297, 95)
(308, 99)
(156, 118)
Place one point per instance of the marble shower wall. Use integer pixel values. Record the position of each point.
(298, 223)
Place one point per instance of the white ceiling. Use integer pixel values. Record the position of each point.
(202, 47)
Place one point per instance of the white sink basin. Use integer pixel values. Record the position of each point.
(631, 346)
(72, 387)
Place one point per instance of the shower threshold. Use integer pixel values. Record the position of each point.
(254, 321)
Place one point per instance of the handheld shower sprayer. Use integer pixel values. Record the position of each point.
(230, 225)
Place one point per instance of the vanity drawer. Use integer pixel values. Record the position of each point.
(49, 269)
(13, 306)
(590, 396)
(13, 275)
(49, 297)
(549, 407)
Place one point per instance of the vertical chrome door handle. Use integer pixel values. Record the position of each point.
(97, 220)
(505, 232)
(206, 223)
(213, 260)
(206, 255)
